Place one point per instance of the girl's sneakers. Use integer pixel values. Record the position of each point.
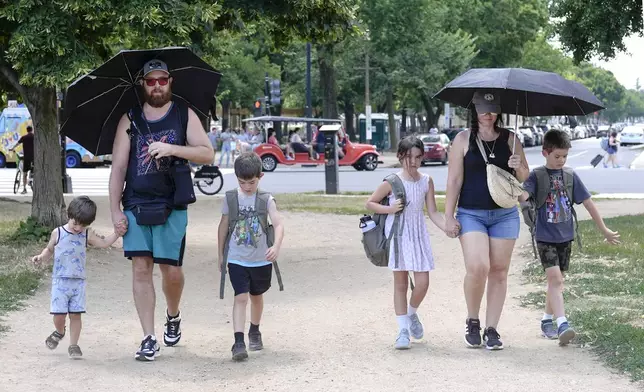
(416, 327)
(403, 341)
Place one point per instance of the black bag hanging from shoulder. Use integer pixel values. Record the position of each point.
(180, 173)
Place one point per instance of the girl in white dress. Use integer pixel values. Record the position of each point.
(414, 248)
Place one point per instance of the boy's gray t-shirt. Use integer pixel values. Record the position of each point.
(555, 223)
(247, 246)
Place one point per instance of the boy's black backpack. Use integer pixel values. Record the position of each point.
(529, 209)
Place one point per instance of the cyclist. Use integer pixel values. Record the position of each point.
(27, 142)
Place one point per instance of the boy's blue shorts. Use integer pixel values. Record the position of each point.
(164, 243)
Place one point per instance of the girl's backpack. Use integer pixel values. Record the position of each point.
(603, 143)
(376, 243)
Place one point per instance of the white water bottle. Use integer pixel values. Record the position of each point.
(367, 223)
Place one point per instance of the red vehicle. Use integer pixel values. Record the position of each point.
(436, 147)
(360, 156)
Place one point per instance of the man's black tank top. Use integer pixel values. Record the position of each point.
(475, 193)
(148, 179)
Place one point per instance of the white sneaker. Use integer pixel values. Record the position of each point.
(416, 327)
(403, 342)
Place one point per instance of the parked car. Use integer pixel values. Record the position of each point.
(542, 129)
(436, 148)
(633, 134)
(603, 131)
(579, 132)
(452, 132)
(529, 137)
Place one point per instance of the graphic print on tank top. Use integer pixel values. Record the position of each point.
(557, 203)
(146, 164)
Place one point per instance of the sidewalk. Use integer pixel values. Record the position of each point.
(638, 163)
(332, 329)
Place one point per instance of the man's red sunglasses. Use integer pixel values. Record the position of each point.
(152, 81)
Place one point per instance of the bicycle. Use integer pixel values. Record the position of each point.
(19, 174)
(208, 179)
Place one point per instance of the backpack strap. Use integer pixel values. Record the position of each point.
(232, 202)
(542, 185)
(261, 209)
(569, 182)
(398, 190)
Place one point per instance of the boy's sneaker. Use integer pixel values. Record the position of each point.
(74, 352)
(548, 329)
(255, 341)
(172, 333)
(148, 350)
(239, 351)
(415, 327)
(492, 339)
(565, 333)
(403, 342)
(473, 333)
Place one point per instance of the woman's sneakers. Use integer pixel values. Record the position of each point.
(403, 341)
(492, 339)
(473, 333)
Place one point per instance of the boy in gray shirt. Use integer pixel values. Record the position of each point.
(243, 245)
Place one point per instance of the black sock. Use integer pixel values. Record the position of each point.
(239, 337)
(253, 328)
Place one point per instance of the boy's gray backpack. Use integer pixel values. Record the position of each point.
(376, 243)
(261, 210)
(530, 208)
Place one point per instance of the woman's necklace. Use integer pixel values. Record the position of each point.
(491, 155)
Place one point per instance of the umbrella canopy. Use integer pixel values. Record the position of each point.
(95, 102)
(523, 91)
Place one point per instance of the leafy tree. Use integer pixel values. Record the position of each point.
(596, 27)
(605, 87)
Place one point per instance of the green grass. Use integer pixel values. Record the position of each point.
(320, 204)
(604, 293)
(358, 193)
(19, 241)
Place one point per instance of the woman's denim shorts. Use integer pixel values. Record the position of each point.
(501, 223)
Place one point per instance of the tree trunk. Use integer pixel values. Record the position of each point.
(349, 112)
(48, 204)
(403, 124)
(326, 64)
(225, 114)
(422, 123)
(393, 137)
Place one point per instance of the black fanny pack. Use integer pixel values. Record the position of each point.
(151, 214)
(184, 191)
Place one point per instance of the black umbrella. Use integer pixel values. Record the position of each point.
(95, 103)
(523, 91)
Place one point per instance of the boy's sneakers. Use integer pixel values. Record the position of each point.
(403, 341)
(255, 341)
(74, 352)
(565, 333)
(415, 326)
(473, 333)
(172, 333)
(548, 329)
(492, 339)
(239, 351)
(148, 350)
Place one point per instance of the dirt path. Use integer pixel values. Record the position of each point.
(331, 330)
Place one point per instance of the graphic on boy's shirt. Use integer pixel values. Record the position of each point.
(558, 206)
(248, 228)
(146, 164)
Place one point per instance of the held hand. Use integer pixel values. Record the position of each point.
(119, 220)
(612, 237)
(37, 260)
(160, 150)
(452, 227)
(515, 162)
(272, 253)
(396, 207)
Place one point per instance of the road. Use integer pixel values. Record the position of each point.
(94, 182)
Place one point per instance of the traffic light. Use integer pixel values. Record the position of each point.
(258, 107)
(276, 93)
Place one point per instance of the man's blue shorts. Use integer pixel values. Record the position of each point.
(165, 243)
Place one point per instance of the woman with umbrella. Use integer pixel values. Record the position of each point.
(487, 231)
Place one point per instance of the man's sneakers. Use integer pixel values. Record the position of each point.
(473, 333)
(239, 351)
(548, 329)
(172, 333)
(416, 327)
(492, 339)
(148, 350)
(403, 341)
(565, 334)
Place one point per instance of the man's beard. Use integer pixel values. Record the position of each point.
(157, 100)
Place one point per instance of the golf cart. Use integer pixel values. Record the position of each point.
(360, 156)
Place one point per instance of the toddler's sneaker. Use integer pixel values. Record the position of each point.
(492, 339)
(239, 351)
(473, 333)
(565, 333)
(403, 342)
(53, 340)
(548, 329)
(74, 352)
(148, 350)
(415, 327)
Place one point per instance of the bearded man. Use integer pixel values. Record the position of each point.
(149, 141)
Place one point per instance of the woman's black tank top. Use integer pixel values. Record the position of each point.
(475, 193)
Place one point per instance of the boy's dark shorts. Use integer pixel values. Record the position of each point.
(553, 255)
(253, 280)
